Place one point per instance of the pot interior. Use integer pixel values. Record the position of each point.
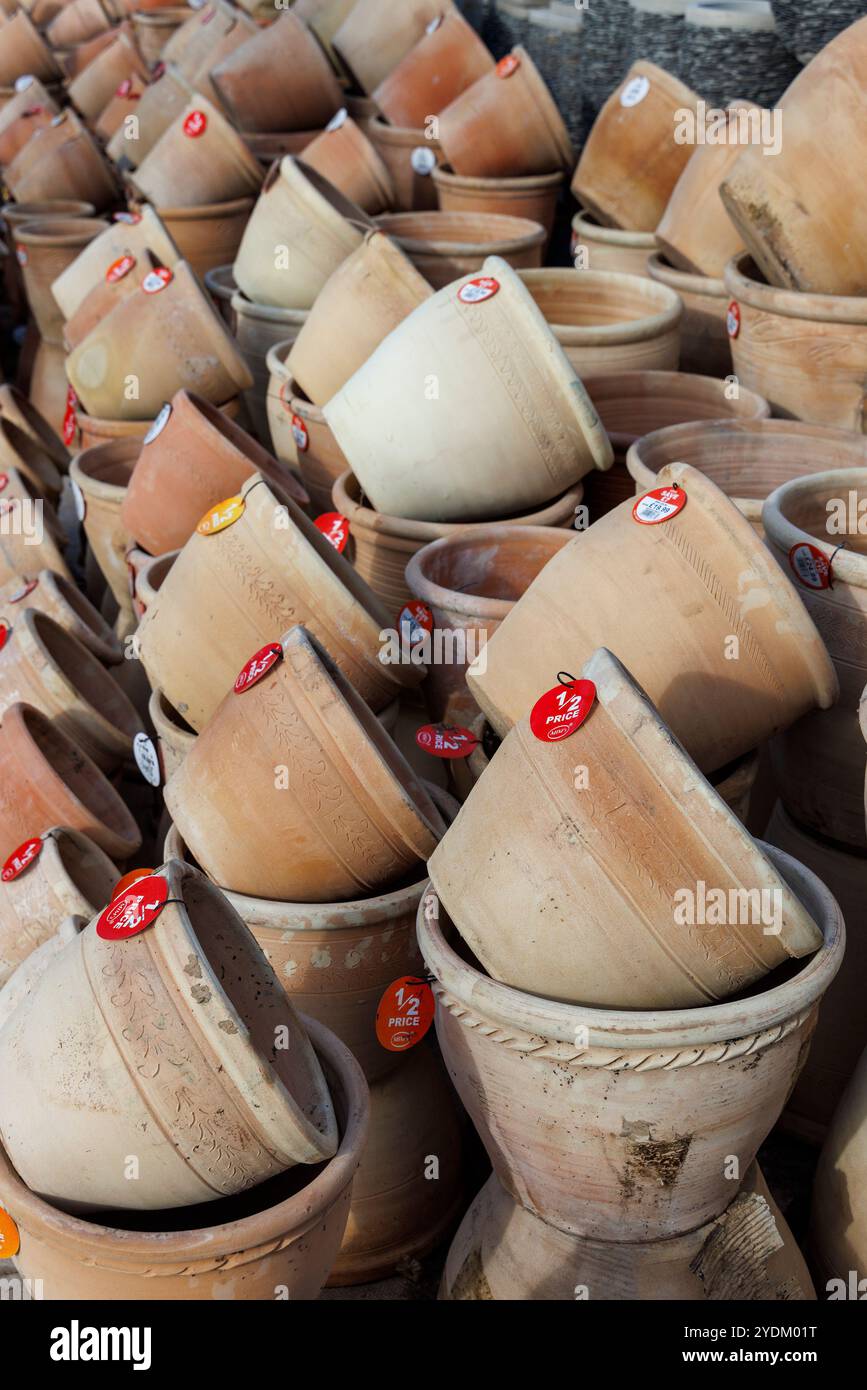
(111, 463)
(86, 674)
(68, 762)
(815, 512)
(752, 461)
(421, 230)
(490, 567)
(635, 403)
(576, 299)
(83, 609)
(85, 870)
(178, 722)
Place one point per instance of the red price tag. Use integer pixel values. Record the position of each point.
(10, 1241)
(26, 588)
(133, 910)
(446, 740)
(69, 420)
(559, 712)
(506, 66)
(417, 614)
(21, 859)
(195, 124)
(404, 1014)
(124, 89)
(335, 528)
(477, 291)
(811, 566)
(659, 505)
(128, 880)
(258, 666)
(156, 280)
(119, 268)
(5, 633)
(130, 218)
(733, 319)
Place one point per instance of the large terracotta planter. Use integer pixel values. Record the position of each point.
(506, 124)
(15, 123)
(154, 28)
(91, 91)
(49, 780)
(367, 296)
(200, 159)
(231, 1110)
(354, 813)
(410, 156)
(299, 433)
(70, 876)
(344, 156)
(124, 103)
(77, 22)
(636, 1108)
(374, 37)
(443, 246)
(62, 161)
(252, 81)
(696, 233)
(806, 352)
(29, 459)
(838, 1226)
(533, 197)
(231, 593)
(631, 161)
(15, 407)
(519, 427)
(61, 600)
(161, 102)
(447, 59)
(696, 580)
(25, 545)
(102, 475)
(209, 235)
(284, 1235)
(607, 322)
(45, 250)
(256, 329)
(142, 232)
(300, 212)
(704, 339)
(24, 51)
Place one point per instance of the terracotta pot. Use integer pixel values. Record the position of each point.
(503, 1251)
(252, 81)
(325, 17)
(838, 1225)
(74, 58)
(410, 156)
(200, 159)
(120, 282)
(344, 156)
(778, 336)
(353, 810)
(708, 552)
(189, 46)
(523, 431)
(92, 90)
(704, 339)
(443, 246)
(25, 975)
(18, 410)
(25, 544)
(447, 59)
(131, 236)
(162, 102)
(24, 51)
(92, 430)
(283, 1235)
(66, 605)
(49, 780)
(71, 875)
(102, 474)
(220, 284)
(44, 251)
(239, 29)
(373, 37)
(230, 593)
(275, 144)
(124, 103)
(147, 337)
(257, 327)
(196, 459)
(16, 125)
(506, 124)
(301, 214)
(611, 1090)
(77, 22)
(62, 161)
(367, 296)
(210, 235)
(610, 248)
(154, 28)
(819, 763)
(175, 738)
(299, 433)
(262, 1108)
(609, 322)
(533, 197)
(29, 459)
(150, 575)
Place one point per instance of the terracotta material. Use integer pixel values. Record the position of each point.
(609, 322)
(26, 974)
(281, 1236)
(102, 474)
(806, 352)
(77, 22)
(838, 1226)
(410, 156)
(62, 161)
(154, 28)
(299, 212)
(60, 600)
(374, 37)
(443, 246)
(150, 575)
(48, 387)
(44, 251)
(199, 160)
(92, 90)
(175, 738)
(299, 433)
(447, 59)
(197, 458)
(232, 592)
(519, 428)
(106, 296)
(91, 430)
(325, 17)
(75, 58)
(29, 459)
(533, 197)
(367, 296)
(695, 580)
(16, 125)
(15, 407)
(120, 238)
(124, 103)
(24, 51)
(209, 235)
(704, 340)
(611, 1090)
(344, 156)
(257, 327)
(364, 823)
(198, 69)
(252, 82)
(25, 546)
(49, 780)
(162, 101)
(220, 284)
(71, 875)
(274, 144)
(506, 124)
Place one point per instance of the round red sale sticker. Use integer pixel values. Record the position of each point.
(195, 124)
(404, 1014)
(299, 434)
(417, 614)
(810, 565)
(134, 909)
(477, 291)
(156, 280)
(335, 528)
(21, 859)
(559, 712)
(446, 740)
(119, 268)
(659, 505)
(733, 319)
(258, 666)
(5, 633)
(26, 588)
(128, 880)
(506, 66)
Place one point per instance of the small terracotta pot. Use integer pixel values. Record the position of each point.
(77, 22)
(124, 103)
(16, 125)
(20, 451)
(367, 296)
(252, 82)
(325, 17)
(704, 340)
(505, 1050)
(344, 156)
(609, 322)
(154, 28)
(228, 594)
(410, 156)
(24, 51)
(74, 58)
(200, 159)
(838, 1224)
(302, 215)
(197, 69)
(353, 810)
(257, 327)
(506, 125)
(175, 738)
(300, 435)
(519, 428)
(209, 235)
(707, 550)
(18, 410)
(92, 90)
(67, 606)
(62, 161)
(275, 144)
(196, 458)
(447, 59)
(92, 430)
(131, 236)
(121, 282)
(610, 248)
(443, 246)
(533, 197)
(162, 101)
(25, 545)
(263, 1108)
(373, 38)
(102, 474)
(150, 574)
(44, 251)
(49, 780)
(631, 161)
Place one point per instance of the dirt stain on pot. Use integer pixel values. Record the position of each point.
(471, 1282)
(650, 1160)
(201, 994)
(193, 967)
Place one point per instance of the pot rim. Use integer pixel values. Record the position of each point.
(511, 234)
(684, 281)
(268, 313)
(464, 601)
(627, 330)
(106, 645)
(127, 447)
(34, 423)
(205, 211)
(849, 565)
(400, 134)
(40, 210)
(792, 304)
(38, 231)
(523, 184)
(160, 711)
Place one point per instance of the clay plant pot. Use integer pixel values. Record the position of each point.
(778, 336)
(356, 815)
(209, 235)
(70, 876)
(220, 284)
(704, 338)
(161, 103)
(367, 296)
(447, 59)
(470, 581)
(819, 763)
(154, 28)
(239, 28)
(275, 144)
(62, 161)
(533, 197)
(614, 935)
(49, 780)
(16, 125)
(60, 600)
(231, 592)
(200, 159)
(92, 90)
(443, 246)
(299, 433)
(505, 1051)
(175, 738)
(609, 248)
(696, 233)
(101, 474)
(838, 1224)
(410, 156)
(43, 665)
(148, 337)
(344, 156)
(609, 322)
(44, 251)
(25, 52)
(506, 125)
(150, 575)
(124, 103)
(300, 231)
(195, 459)
(528, 432)
(75, 58)
(25, 975)
(252, 82)
(91, 430)
(264, 1108)
(325, 17)
(699, 577)
(129, 236)
(18, 410)
(283, 1235)
(77, 22)
(31, 536)
(121, 281)
(257, 327)
(29, 459)
(374, 37)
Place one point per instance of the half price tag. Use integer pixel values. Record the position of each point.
(659, 505)
(258, 666)
(417, 614)
(119, 268)
(225, 514)
(506, 66)
(335, 529)
(156, 280)
(559, 712)
(133, 910)
(128, 880)
(810, 566)
(20, 859)
(446, 740)
(4, 481)
(477, 291)
(404, 1014)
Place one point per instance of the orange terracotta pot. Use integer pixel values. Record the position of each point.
(91, 91)
(30, 460)
(44, 251)
(300, 435)
(104, 297)
(48, 389)
(533, 197)
(209, 235)
(595, 247)
(199, 160)
(91, 430)
(75, 58)
(57, 597)
(62, 161)
(344, 156)
(704, 341)
(165, 97)
(79, 21)
(26, 111)
(123, 103)
(154, 28)
(18, 410)
(101, 475)
(238, 30)
(374, 37)
(410, 157)
(24, 52)
(31, 537)
(443, 246)
(447, 59)
(252, 82)
(274, 144)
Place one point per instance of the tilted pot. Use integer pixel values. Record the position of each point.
(102, 475)
(15, 407)
(252, 82)
(19, 451)
(447, 59)
(838, 1224)
(175, 738)
(77, 22)
(609, 248)
(533, 196)
(519, 428)
(208, 235)
(124, 103)
(92, 430)
(696, 579)
(154, 28)
(161, 103)
(121, 281)
(62, 161)
(44, 251)
(200, 159)
(31, 537)
(300, 435)
(15, 122)
(446, 245)
(57, 597)
(220, 284)
(128, 236)
(609, 322)
(198, 70)
(410, 156)
(91, 91)
(354, 813)
(28, 971)
(704, 338)
(344, 156)
(374, 37)
(257, 327)
(275, 144)
(25, 52)
(324, 18)
(75, 57)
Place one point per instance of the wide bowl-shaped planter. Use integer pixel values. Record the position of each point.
(698, 579)
(696, 233)
(443, 246)
(374, 37)
(102, 475)
(344, 155)
(410, 156)
(44, 251)
(60, 599)
(16, 407)
(448, 58)
(347, 815)
(200, 159)
(29, 459)
(252, 82)
(31, 537)
(519, 428)
(609, 248)
(533, 197)
(129, 236)
(256, 328)
(636, 1107)
(300, 435)
(209, 235)
(838, 1225)
(704, 336)
(806, 352)
(607, 322)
